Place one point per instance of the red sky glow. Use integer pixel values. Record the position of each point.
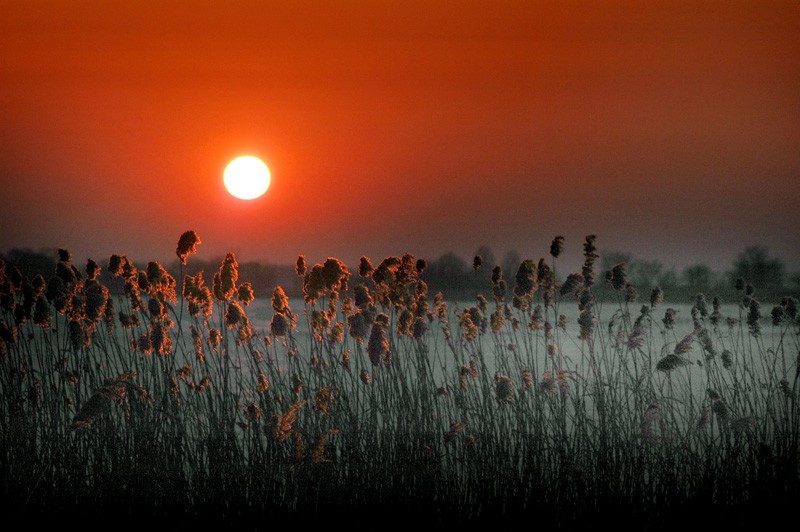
(670, 129)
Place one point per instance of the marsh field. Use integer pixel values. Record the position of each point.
(190, 400)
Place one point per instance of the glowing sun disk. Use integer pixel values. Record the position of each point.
(246, 177)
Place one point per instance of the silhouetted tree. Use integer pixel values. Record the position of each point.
(645, 274)
(448, 272)
(698, 278)
(756, 267)
(668, 280)
(32, 262)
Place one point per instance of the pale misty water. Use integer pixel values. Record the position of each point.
(514, 349)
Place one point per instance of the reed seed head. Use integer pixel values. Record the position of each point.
(671, 362)
(378, 347)
(187, 245)
(669, 318)
(92, 270)
(245, 293)
(504, 389)
(365, 267)
(300, 266)
(279, 326)
(557, 246)
(365, 377)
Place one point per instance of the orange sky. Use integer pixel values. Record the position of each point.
(670, 129)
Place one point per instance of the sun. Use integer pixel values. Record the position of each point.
(246, 177)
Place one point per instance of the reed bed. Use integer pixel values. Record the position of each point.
(373, 400)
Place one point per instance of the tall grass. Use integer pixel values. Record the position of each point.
(376, 395)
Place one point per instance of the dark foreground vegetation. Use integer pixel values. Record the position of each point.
(381, 403)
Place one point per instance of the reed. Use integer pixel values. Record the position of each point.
(379, 397)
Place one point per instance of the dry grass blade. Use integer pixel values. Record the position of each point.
(114, 391)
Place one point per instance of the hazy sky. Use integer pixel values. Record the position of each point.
(669, 129)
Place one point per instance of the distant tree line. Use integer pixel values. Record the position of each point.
(458, 278)
(454, 275)
(766, 274)
(264, 277)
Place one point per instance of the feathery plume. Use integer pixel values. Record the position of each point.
(497, 319)
(671, 362)
(574, 284)
(284, 424)
(245, 293)
(225, 279)
(365, 376)
(300, 266)
(378, 347)
(97, 297)
(727, 359)
(590, 256)
(214, 339)
(235, 315)
(547, 283)
(720, 409)
(113, 392)
(586, 321)
(262, 384)
(279, 326)
(548, 383)
(618, 276)
(526, 279)
(504, 389)
(358, 326)
(329, 278)
(280, 301)
(497, 274)
(669, 318)
(187, 245)
(557, 246)
(365, 267)
(527, 378)
(323, 400)
(656, 296)
(92, 270)
(636, 338)
(198, 296)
